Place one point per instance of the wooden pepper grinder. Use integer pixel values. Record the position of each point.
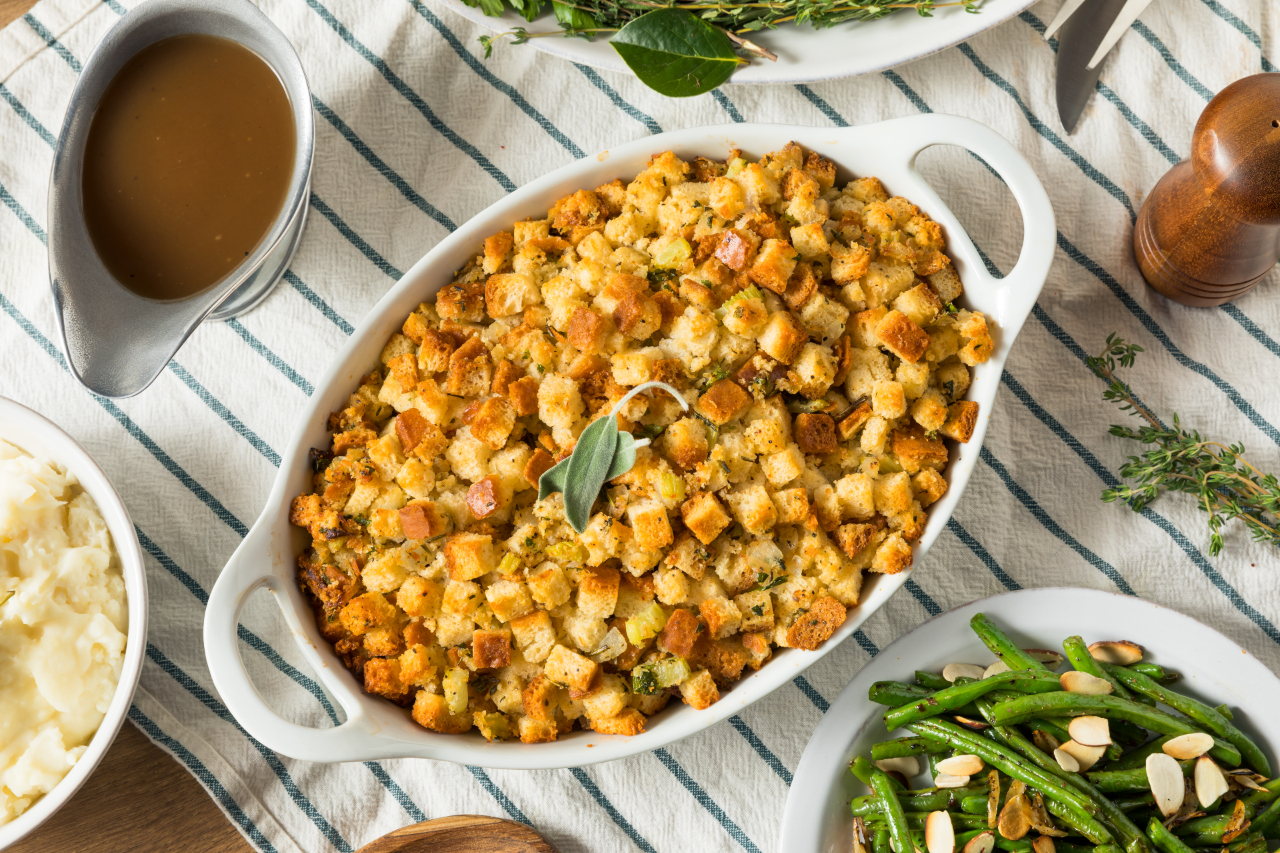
(1210, 230)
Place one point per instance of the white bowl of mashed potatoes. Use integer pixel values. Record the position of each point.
(73, 598)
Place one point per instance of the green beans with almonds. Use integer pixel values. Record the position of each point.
(1138, 757)
(896, 819)
(931, 681)
(1082, 659)
(904, 746)
(1117, 781)
(1112, 707)
(896, 694)
(1001, 646)
(965, 690)
(1164, 839)
(1203, 714)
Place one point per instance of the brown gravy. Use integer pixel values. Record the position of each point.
(187, 164)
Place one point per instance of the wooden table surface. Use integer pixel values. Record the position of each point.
(139, 799)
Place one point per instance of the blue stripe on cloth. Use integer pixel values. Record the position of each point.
(411, 96)
(822, 105)
(1177, 67)
(1052, 526)
(220, 409)
(354, 239)
(598, 81)
(761, 750)
(273, 761)
(735, 832)
(274, 360)
(52, 41)
(197, 768)
(23, 217)
(497, 793)
(1041, 128)
(32, 121)
(410, 807)
(1227, 15)
(810, 693)
(916, 101)
(115, 7)
(723, 100)
(1251, 327)
(982, 554)
(381, 167)
(591, 788)
(320, 305)
(930, 606)
(1159, 334)
(865, 642)
(502, 86)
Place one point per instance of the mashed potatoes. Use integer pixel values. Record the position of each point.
(63, 620)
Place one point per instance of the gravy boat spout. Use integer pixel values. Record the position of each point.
(116, 341)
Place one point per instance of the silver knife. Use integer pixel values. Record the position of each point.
(1090, 31)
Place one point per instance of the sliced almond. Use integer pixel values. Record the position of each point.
(859, 836)
(961, 765)
(1074, 681)
(1048, 657)
(952, 671)
(907, 765)
(1042, 844)
(1045, 741)
(983, 842)
(1085, 756)
(1210, 783)
(995, 669)
(1015, 817)
(1245, 779)
(939, 836)
(1040, 820)
(1164, 777)
(1184, 747)
(970, 723)
(993, 798)
(1238, 825)
(946, 780)
(1120, 652)
(1066, 761)
(1090, 731)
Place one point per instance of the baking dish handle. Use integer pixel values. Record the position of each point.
(246, 571)
(1016, 293)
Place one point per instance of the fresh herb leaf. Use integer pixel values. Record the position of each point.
(8, 595)
(571, 17)
(675, 53)
(659, 277)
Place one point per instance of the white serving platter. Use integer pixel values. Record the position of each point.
(376, 729)
(805, 55)
(1214, 669)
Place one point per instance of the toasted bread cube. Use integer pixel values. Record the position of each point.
(470, 369)
(609, 701)
(854, 421)
(461, 597)
(902, 337)
(680, 633)
(384, 642)
(602, 539)
(765, 436)
(431, 712)
(588, 331)
(497, 250)
(812, 629)
(962, 417)
(849, 263)
(809, 241)
(910, 523)
(774, 263)
(946, 283)
(816, 433)
(736, 248)
(893, 555)
(541, 697)
(420, 665)
(756, 609)
(493, 422)
(699, 690)
(783, 467)
(813, 371)
(635, 366)
(469, 555)
(914, 450)
(419, 596)
(637, 315)
(889, 400)
(855, 538)
(727, 198)
(382, 678)
(704, 516)
(431, 401)
(534, 635)
(823, 318)
(510, 293)
(508, 599)
(723, 402)
(491, 649)
(415, 328)
(685, 443)
(952, 380)
(929, 486)
(549, 586)
(689, 557)
(783, 337)
(930, 411)
(721, 616)
(649, 524)
(921, 304)
(386, 572)
(792, 504)
(746, 316)
(856, 496)
(384, 525)
(366, 612)
(468, 456)
(893, 493)
(914, 379)
(537, 731)
(492, 725)
(692, 338)
(671, 585)
(875, 434)
(454, 629)
(559, 401)
(753, 509)
(630, 723)
(422, 520)
(598, 592)
(571, 669)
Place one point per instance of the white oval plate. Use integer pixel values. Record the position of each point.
(1214, 669)
(805, 55)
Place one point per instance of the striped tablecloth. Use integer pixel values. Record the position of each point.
(416, 133)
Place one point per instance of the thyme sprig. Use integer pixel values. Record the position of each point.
(1227, 486)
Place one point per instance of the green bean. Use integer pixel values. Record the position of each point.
(1164, 839)
(1082, 659)
(1118, 781)
(862, 769)
(1198, 711)
(1138, 758)
(1018, 767)
(1113, 707)
(1257, 798)
(1265, 821)
(914, 801)
(1137, 801)
(1106, 848)
(895, 693)
(976, 804)
(880, 841)
(1213, 823)
(1155, 672)
(904, 746)
(1225, 711)
(1001, 646)
(965, 690)
(930, 680)
(899, 834)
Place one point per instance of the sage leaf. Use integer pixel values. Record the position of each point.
(552, 480)
(588, 467)
(623, 457)
(676, 53)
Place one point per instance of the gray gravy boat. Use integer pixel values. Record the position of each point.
(116, 341)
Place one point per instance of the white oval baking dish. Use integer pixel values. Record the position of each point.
(377, 729)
